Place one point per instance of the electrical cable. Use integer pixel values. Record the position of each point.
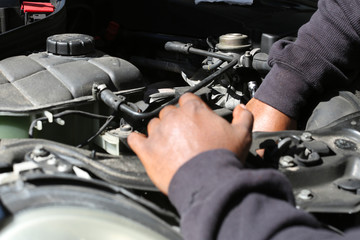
(61, 114)
(101, 129)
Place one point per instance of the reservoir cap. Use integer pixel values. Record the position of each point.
(70, 44)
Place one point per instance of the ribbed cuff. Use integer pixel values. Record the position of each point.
(284, 90)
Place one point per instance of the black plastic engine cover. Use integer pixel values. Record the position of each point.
(40, 79)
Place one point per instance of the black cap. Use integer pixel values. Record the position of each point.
(70, 44)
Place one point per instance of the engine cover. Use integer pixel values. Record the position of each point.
(45, 79)
(44, 83)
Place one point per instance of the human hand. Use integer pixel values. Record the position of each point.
(181, 133)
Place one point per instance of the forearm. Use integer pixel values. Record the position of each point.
(269, 119)
(217, 199)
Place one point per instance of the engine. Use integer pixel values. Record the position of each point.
(69, 100)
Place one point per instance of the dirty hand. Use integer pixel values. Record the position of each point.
(181, 133)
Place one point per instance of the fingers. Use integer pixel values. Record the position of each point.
(190, 97)
(153, 125)
(166, 110)
(242, 125)
(136, 142)
(243, 117)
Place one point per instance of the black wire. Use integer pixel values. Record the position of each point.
(64, 113)
(210, 44)
(103, 127)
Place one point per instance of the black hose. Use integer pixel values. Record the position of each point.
(137, 116)
(260, 63)
(187, 48)
(213, 66)
(227, 58)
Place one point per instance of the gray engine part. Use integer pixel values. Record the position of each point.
(44, 83)
(45, 79)
(330, 110)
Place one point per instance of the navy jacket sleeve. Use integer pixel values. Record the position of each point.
(324, 56)
(218, 199)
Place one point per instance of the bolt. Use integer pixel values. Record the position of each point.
(39, 151)
(60, 121)
(93, 154)
(125, 127)
(305, 194)
(51, 161)
(252, 86)
(306, 137)
(307, 152)
(353, 123)
(286, 161)
(345, 144)
(62, 168)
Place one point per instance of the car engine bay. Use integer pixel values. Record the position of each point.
(75, 82)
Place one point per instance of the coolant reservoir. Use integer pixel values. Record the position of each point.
(45, 83)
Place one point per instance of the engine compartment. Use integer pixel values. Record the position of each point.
(146, 55)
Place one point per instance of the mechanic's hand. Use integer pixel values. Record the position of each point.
(180, 133)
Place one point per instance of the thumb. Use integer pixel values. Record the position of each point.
(243, 117)
(136, 142)
(242, 124)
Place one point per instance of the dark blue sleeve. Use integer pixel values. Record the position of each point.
(324, 56)
(218, 199)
